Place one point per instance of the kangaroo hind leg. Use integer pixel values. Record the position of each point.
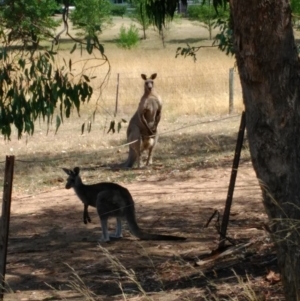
(149, 159)
(86, 217)
(108, 205)
(118, 233)
(150, 144)
(105, 234)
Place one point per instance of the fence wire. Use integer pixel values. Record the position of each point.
(112, 148)
(204, 91)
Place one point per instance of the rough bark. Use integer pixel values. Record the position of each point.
(269, 70)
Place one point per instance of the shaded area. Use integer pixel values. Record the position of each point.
(185, 41)
(41, 245)
(182, 152)
(47, 242)
(176, 196)
(61, 241)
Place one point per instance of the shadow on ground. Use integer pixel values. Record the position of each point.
(50, 245)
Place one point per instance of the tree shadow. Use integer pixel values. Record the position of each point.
(185, 41)
(192, 149)
(46, 243)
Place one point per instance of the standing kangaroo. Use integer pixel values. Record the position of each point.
(111, 200)
(142, 127)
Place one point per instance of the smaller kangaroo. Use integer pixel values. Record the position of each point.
(142, 127)
(111, 200)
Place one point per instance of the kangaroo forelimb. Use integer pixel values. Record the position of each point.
(86, 217)
(145, 122)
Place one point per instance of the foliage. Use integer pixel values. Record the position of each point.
(205, 13)
(194, 11)
(224, 39)
(34, 20)
(160, 11)
(118, 10)
(128, 37)
(32, 87)
(140, 14)
(112, 125)
(67, 2)
(91, 15)
(295, 6)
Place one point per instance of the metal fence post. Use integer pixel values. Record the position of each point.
(231, 89)
(5, 217)
(234, 170)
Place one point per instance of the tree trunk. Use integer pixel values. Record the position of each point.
(269, 70)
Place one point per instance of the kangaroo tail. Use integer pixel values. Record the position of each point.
(139, 233)
(132, 157)
(148, 236)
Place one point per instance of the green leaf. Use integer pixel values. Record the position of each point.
(49, 71)
(73, 48)
(111, 127)
(119, 126)
(86, 78)
(89, 46)
(58, 123)
(101, 48)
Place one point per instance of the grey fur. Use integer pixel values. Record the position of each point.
(111, 200)
(143, 125)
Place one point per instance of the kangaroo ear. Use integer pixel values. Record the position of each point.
(153, 76)
(76, 171)
(67, 171)
(144, 77)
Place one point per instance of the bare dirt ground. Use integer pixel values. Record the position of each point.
(52, 255)
(48, 237)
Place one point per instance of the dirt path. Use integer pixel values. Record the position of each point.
(47, 234)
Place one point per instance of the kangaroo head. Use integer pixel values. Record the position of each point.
(73, 175)
(149, 84)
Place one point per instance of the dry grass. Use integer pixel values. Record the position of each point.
(192, 93)
(186, 87)
(185, 143)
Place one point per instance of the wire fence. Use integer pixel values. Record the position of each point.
(198, 95)
(51, 165)
(116, 147)
(202, 93)
(254, 187)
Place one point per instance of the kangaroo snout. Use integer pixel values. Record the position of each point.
(149, 85)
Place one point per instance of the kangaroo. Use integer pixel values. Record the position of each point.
(111, 200)
(142, 127)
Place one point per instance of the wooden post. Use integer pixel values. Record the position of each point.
(234, 171)
(117, 95)
(5, 217)
(231, 89)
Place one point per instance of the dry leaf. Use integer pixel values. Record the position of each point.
(273, 277)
